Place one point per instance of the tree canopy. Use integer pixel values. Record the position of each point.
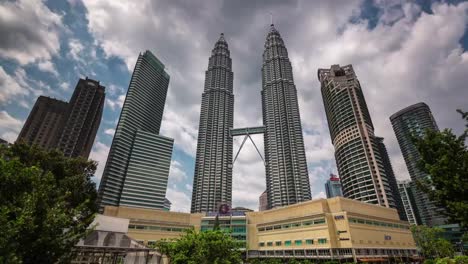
(444, 156)
(207, 247)
(47, 201)
(431, 244)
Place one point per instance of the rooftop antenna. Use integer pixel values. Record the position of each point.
(271, 18)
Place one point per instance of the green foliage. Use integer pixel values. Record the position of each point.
(47, 202)
(429, 241)
(446, 260)
(209, 247)
(444, 156)
(461, 259)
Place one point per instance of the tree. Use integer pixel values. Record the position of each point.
(47, 202)
(444, 156)
(208, 247)
(431, 244)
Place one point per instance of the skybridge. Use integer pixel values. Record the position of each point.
(246, 132)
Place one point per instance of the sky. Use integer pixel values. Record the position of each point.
(403, 52)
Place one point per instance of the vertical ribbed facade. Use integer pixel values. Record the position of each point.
(137, 168)
(413, 121)
(352, 133)
(44, 124)
(212, 183)
(83, 119)
(287, 179)
(392, 181)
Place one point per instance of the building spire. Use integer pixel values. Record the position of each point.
(221, 38)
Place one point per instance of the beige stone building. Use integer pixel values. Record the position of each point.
(336, 228)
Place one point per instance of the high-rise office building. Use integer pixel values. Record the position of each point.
(167, 205)
(44, 124)
(352, 134)
(392, 181)
(263, 201)
(406, 189)
(70, 127)
(212, 183)
(83, 118)
(408, 122)
(287, 179)
(137, 167)
(333, 187)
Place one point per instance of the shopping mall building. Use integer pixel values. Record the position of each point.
(324, 229)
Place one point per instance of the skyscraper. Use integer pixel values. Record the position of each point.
(392, 181)
(137, 168)
(333, 187)
(413, 121)
(263, 201)
(352, 133)
(287, 179)
(212, 183)
(83, 118)
(406, 189)
(44, 124)
(70, 127)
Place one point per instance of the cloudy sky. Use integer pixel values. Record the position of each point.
(404, 52)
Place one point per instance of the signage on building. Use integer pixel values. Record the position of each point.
(339, 217)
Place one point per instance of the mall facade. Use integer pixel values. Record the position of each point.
(324, 229)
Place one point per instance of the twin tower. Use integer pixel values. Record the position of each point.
(287, 180)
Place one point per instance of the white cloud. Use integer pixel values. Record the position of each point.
(47, 66)
(117, 103)
(9, 126)
(99, 153)
(180, 200)
(110, 132)
(30, 31)
(65, 86)
(11, 86)
(76, 48)
(320, 195)
(177, 173)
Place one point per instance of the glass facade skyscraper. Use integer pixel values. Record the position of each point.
(287, 179)
(137, 168)
(333, 187)
(212, 183)
(406, 189)
(357, 154)
(392, 181)
(408, 122)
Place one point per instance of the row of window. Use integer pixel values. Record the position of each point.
(377, 223)
(296, 242)
(159, 228)
(318, 221)
(234, 229)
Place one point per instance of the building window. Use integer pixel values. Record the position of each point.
(298, 242)
(287, 243)
(270, 244)
(278, 243)
(322, 240)
(261, 244)
(309, 241)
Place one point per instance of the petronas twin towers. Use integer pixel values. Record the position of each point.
(287, 178)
